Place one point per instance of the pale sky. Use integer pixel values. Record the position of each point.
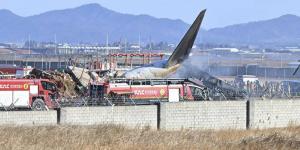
(219, 12)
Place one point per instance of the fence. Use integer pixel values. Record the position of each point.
(170, 116)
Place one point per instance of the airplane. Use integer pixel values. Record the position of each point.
(297, 69)
(164, 68)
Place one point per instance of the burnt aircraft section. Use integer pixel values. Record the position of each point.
(164, 68)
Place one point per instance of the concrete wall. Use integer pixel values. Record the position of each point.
(28, 118)
(274, 113)
(170, 116)
(203, 115)
(128, 116)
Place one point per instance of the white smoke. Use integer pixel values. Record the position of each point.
(194, 66)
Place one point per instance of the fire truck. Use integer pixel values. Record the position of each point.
(13, 71)
(149, 91)
(36, 94)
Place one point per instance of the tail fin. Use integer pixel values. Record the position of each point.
(184, 48)
(296, 70)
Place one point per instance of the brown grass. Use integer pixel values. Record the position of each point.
(115, 137)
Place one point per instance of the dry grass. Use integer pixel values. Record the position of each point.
(108, 137)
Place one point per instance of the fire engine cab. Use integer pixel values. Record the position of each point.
(37, 94)
(147, 91)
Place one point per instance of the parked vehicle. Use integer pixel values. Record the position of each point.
(36, 94)
(147, 91)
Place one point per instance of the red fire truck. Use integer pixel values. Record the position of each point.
(145, 91)
(12, 71)
(37, 94)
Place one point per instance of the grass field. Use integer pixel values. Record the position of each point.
(115, 137)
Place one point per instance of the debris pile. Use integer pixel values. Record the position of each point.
(72, 82)
(80, 74)
(65, 84)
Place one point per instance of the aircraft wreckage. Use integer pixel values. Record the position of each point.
(147, 82)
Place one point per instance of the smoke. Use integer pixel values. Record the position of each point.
(203, 64)
(194, 66)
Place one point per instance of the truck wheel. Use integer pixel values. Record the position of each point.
(38, 105)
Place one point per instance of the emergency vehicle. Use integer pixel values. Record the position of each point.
(13, 71)
(148, 91)
(36, 94)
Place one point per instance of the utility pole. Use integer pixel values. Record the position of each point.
(208, 62)
(150, 44)
(29, 42)
(107, 51)
(125, 45)
(42, 62)
(139, 42)
(55, 44)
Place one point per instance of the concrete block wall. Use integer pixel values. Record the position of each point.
(170, 116)
(28, 118)
(203, 115)
(128, 116)
(274, 113)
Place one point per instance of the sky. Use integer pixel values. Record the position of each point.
(219, 12)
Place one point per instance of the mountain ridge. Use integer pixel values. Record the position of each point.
(92, 22)
(280, 30)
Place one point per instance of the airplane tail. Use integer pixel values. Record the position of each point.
(296, 70)
(184, 48)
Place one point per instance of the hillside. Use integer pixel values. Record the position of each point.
(88, 23)
(282, 30)
(91, 23)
